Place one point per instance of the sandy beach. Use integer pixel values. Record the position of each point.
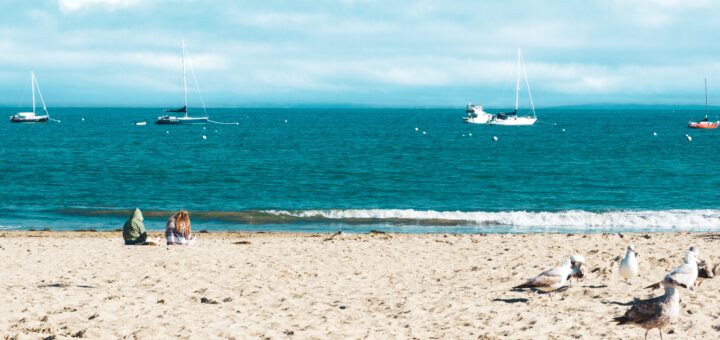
(258, 285)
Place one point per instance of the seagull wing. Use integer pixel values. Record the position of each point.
(643, 311)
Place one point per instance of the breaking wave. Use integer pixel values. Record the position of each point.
(659, 219)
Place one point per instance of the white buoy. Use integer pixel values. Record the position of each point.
(689, 138)
(654, 133)
(83, 119)
(204, 137)
(495, 138)
(416, 129)
(285, 120)
(424, 133)
(167, 131)
(470, 134)
(215, 131)
(463, 135)
(563, 130)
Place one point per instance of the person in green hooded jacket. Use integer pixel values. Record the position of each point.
(134, 229)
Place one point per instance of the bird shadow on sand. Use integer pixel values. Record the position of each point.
(561, 289)
(62, 285)
(620, 303)
(511, 300)
(594, 286)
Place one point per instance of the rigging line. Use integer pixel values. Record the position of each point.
(197, 84)
(41, 97)
(527, 83)
(223, 123)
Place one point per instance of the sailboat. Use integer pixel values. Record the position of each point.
(512, 118)
(705, 123)
(32, 117)
(185, 119)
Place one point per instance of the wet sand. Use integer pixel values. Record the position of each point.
(258, 285)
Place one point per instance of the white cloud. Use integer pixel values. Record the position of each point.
(79, 5)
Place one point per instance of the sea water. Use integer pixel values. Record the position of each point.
(582, 169)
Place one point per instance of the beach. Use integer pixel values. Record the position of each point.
(263, 285)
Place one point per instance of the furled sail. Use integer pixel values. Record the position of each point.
(182, 109)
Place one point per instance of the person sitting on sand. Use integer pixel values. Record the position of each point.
(134, 229)
(177, 230)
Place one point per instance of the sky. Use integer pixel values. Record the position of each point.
(420, 53)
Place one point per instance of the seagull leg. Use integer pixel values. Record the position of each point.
(660, 329)
(646, 332)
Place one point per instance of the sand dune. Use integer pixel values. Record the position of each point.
(90, 285)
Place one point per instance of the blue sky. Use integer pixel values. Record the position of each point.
(364, 52)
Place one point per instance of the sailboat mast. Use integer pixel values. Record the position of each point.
(706, 110)
(32, 87)
(517, 83)
(182, 45)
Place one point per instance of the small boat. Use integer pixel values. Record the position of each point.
(705, 123)
(476, 114)
(178, 120)
(512, 118)
(32, 117)
(140, 123)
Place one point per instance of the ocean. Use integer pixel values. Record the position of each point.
(580, 169)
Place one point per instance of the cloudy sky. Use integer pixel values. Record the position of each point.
(361, 52)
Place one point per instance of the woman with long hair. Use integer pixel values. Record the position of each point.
(177, 229)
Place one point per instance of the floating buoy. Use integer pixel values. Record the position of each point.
(204, 137)
(424, 133)
(654, 133)
(285, 120)
(204, 128)
(215, 131)
(463, 135)
(83, 119)
(470, 134)
(495, 138)
(689, 138)
(563, 130)
(416, 129)
(167, 131)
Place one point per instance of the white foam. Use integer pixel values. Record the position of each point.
(656, 219)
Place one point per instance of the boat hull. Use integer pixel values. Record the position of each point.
(480, 119)
(170, 120)
(513, 121)
(703, 125)
(36, 119)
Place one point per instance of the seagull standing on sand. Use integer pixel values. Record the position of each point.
(629, 265)
(555, 278)
(686, 273)
(656, 312)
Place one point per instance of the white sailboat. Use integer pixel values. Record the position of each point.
(32, 117)
(186, 119)
(512, 118)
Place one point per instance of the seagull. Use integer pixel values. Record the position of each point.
(685, 273)
(555, 278)
(689, 138)
(577, 261)
(654, 133)
(495, 138)
(629, 265)
(656, 312)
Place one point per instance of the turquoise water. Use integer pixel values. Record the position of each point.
(579, 169)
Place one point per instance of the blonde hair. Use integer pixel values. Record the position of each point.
(182, 223)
